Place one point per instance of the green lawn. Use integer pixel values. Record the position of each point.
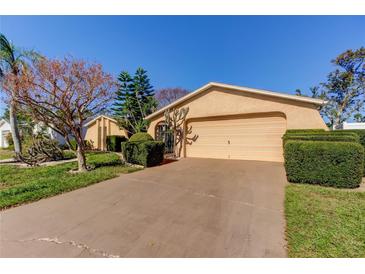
(6, 154)
(20, 185)
(324, 222)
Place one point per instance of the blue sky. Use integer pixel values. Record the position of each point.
(280, 53)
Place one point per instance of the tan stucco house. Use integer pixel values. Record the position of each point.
(98, 128)
(232, 122)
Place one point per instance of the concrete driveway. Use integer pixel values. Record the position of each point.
(189, 208)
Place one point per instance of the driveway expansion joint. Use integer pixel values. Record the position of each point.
(83, 247)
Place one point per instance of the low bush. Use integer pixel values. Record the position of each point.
(321, 137)
(304, 131)
(88, 145)
(140, 136)
(148, 153)
(68, 154)
(113, 142)
(359, 132)
(336, 164)
(332, 136)
(322, 133)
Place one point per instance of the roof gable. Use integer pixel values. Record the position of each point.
(97, 118)
(310, 100)
(3, 122)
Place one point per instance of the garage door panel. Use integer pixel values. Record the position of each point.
(240, 141)
(240, 138)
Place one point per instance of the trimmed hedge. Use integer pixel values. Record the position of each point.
(359, 132)
(148, 153)
(140, 136)
(336, 135)
(113, 142)
(336, 164)
(88, 145)
(323, 133)
(321, 137)
(305, 131)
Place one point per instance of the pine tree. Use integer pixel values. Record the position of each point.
(125, 90)
(134, 101)
(144, 92)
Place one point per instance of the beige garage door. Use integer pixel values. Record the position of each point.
(244, 138)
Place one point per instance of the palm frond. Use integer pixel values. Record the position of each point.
(7, 47)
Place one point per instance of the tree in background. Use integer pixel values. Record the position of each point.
(13, 61)
(166, 96)
(134, 101)
(358, 117)
(344, 89)
(63, 94)
(25, 122)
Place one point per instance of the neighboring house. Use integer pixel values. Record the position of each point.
(346, 125)
(4, 132)
(95, 131)
(232, 122)
(98, 128)
(50, 132)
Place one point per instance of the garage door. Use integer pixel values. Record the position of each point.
(243, 138)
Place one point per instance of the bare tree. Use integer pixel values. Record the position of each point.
(175, 120)
(63, 94)
(166, 96)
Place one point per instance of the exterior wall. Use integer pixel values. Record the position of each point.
(353, 125)
(97, 131)
(91, 134)
(220, 102)
(4, 130)
(50, 132)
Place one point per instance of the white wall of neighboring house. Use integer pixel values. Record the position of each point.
(346, 125)
(52, 134)
(4, 131)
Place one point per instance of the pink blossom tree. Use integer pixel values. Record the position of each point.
(63, 94)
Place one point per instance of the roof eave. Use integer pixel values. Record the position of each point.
(309, 100)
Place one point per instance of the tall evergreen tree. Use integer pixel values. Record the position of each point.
(134, 101)
(144, 92)
(125, 90)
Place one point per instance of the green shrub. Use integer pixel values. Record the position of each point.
(140, 136)
(359, 132)
(68, 154)
(73, 144)
(323, 133)
(321, 137)
(88, 145)
(335, 135)
(336, 164)
(113, 142)
(304, 131)
(9, 139)
(148, 153)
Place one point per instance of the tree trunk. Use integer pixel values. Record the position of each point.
(14, 130)
(337, 124)
(81, 160)
(176, 151)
